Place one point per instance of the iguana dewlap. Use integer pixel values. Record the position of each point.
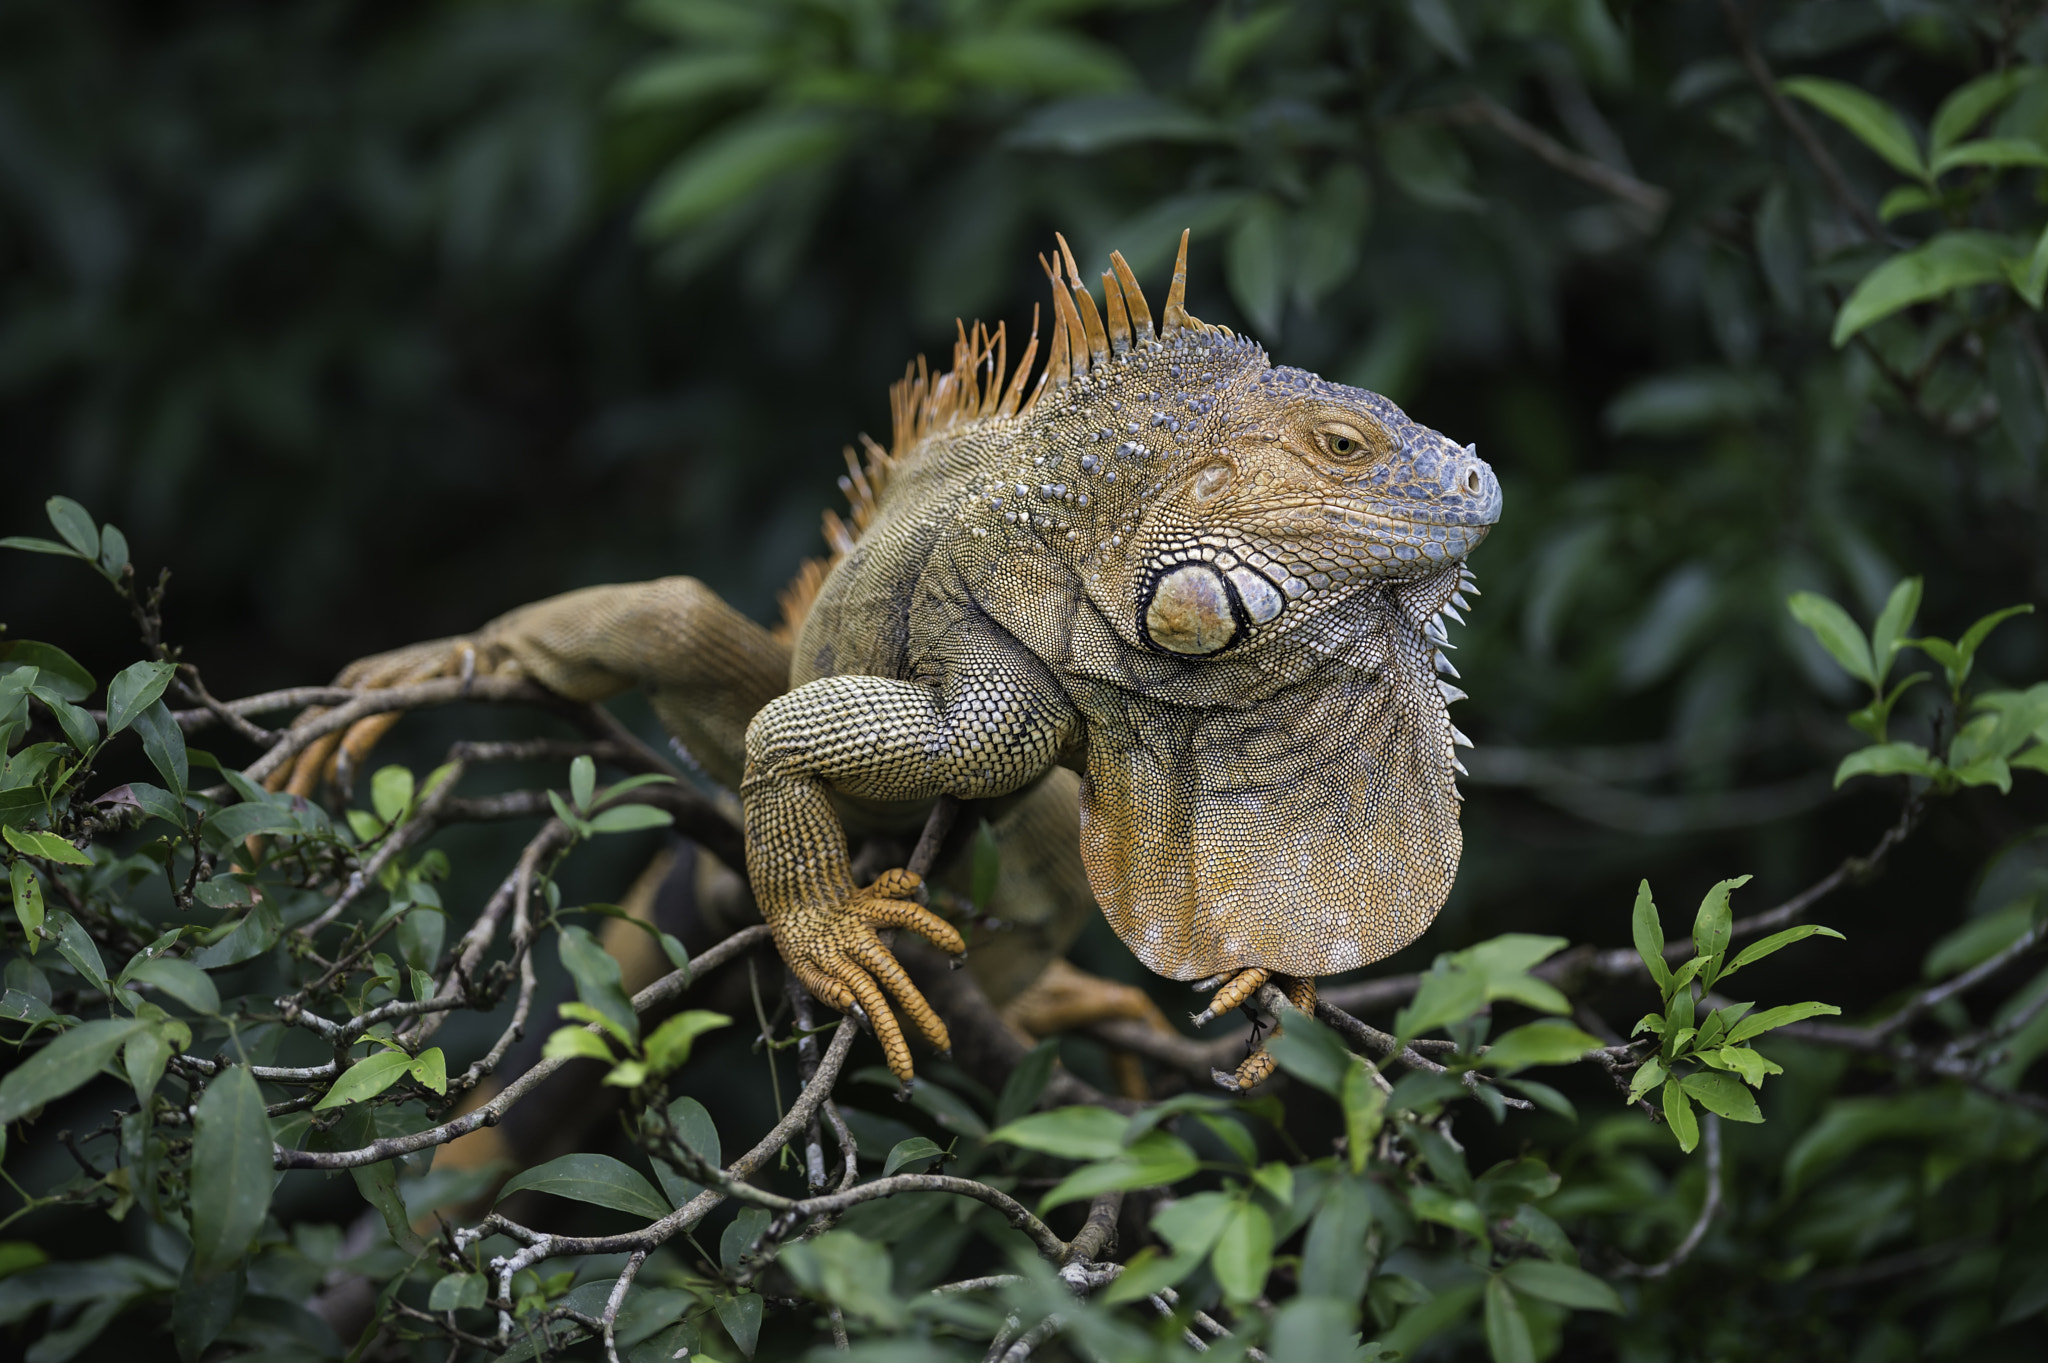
(1212, 587)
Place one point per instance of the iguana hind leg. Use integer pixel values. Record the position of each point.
(1257, 1067)
(707, 668)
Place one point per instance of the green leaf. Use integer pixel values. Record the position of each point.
(1313, 1053)
(741, 1316)
(182, 980)
(55, 669)
(1888, 635)
(1900, 200)
(1192, 1224)
(1970, 104)
(1365, 1110)
(735, 163)
(1836, 632)
(598, 982)
(1887, 759)
(848, 1271)
(1678, 1112)
(1026, 1084)
(429, 1069)
(78, 725)
(1545, 1042)
(36, 545)
(669, 1046)
(1648, 930)
(366, 1079)
(163, 743)
(1150, 1270)
(1756, 951)
(987, 870)
(1434, 20)
(1712, 924)
(1155, 1159)
(145, 1057)
(76, 525)
(1646, 1078)
(597, 1179)
(1941, 265)
(1562, 1284)
(1507, 1330)
(1034, 60)
(1445, 995)
(1752, 1065)
(630, 819)
(576, 1043)
(134, 689)
(582, 782)
(1756, 1024)
(27, 893)
(231, 1170)
(48, 846)
(71, 1061)
(113, 550)
(458, 1292)
(1873, 122)
(693, 1126)
(918, 1150)
(76, 946)
(1080, 1133)
(1722, 1094)
(1994, 152)
(689, 78)
(1243, 1255)
(391, 793)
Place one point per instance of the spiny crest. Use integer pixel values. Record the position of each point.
(923, 404)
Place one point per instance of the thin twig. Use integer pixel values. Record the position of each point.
(1653, 201)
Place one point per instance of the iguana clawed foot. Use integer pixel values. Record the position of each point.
(836, 954)
(334, 757)
(1240, 988)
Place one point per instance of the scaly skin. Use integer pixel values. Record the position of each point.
(1210, 587)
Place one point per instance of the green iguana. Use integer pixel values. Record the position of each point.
(1212, 588)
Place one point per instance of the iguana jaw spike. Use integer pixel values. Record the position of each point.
(1176, 314)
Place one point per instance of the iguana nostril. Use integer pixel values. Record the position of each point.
(1472, 482)
(1190, 611)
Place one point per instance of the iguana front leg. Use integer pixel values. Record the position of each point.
(878, 739)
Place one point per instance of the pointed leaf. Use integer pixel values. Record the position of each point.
(231, 1170)
(76, 525)
(1648, 930)
(1678, 1112)
(1876, 124)
(1723, 1095)
(1563, 1284)
(366, 1079)
(71, 1061)
(597, 1179)
(1756, 951)
(1756, 1024)
(1837, 633)
(134, 689)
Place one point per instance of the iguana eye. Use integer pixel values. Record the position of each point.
(1344, 443)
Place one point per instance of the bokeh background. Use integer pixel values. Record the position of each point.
(372, 320)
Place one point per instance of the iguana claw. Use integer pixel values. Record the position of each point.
(838, 957)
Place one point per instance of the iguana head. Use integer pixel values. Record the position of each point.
(1238, 571)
